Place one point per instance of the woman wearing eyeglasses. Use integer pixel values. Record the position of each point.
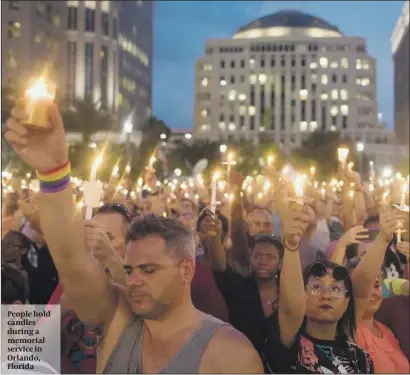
(315, 325)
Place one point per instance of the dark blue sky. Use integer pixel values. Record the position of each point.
(182, 27)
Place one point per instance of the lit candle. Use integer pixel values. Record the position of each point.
(342, 154)
(93, 190)
(298, 186)
(213, 191)
(38, 100)
(403, 197)
(312, 171)
(127, 169)
(115, 171)
(270, 160)
(323, 193)
(351, 194)
(152, 160)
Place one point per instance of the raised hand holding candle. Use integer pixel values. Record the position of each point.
(38, 100)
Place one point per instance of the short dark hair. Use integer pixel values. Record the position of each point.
(347, 324)
(274, 241)
(14, 286)
(224, 221)
(115, 208)
(177, 237)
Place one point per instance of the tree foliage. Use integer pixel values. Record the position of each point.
(85, 116)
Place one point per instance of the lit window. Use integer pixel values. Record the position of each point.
(334, 110)
(313, 65)
(223, 82)
(324, 96)
(344, 94)
(323, 62)
(314, 78)
(242, 97)
(335, 94)
(252, 79)
(303, 94)
(358, 81)
(324, 79)
(365, 81)
(222, 126)
(251, 63)
(11, 61)
(231, 127)
(344, 109)
(344, 62)
(232, 95)
(90, 4)
(242, 110)
(208, 67)
(38, 37)
(358, 64)
(366, 65)
(334, 65)
(14, 29)
(303, 126)
(252, 111)
(204, 82)
(56, 20)
(262, 78)
(332, 128)
(205, 127)
(204, 113)
(313, 126)
(105, 6)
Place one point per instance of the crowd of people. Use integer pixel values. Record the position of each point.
(159, 281)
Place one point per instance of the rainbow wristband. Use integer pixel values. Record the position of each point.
(55, 180)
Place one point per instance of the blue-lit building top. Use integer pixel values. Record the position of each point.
(135, 60)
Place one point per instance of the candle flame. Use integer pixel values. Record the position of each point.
(351, 194)
(342, 154)
(270, 160)
(216, 175)
(39, 90)
(312, 171)
(115, 170)
(298, 186)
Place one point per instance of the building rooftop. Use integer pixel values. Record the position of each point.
(289, 18)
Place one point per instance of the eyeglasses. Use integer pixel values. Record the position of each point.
(319, 269)
(317, 288)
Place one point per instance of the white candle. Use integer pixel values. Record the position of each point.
(93, 179)
(342, 154)
(403, 197)
(213, 191)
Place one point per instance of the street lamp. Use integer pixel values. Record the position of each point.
(360, 148)
(163, 136)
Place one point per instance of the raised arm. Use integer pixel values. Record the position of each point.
(352, 236)
(369, 267)
(292, 297)
(82, 277)
(211, 235)
(240, 246)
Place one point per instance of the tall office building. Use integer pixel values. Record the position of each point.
(135, 61)
(92, 52)
(400, 49)
(32, 41)
(100, 49)
(282, 76)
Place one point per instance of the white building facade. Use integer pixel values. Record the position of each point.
(280, 78)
